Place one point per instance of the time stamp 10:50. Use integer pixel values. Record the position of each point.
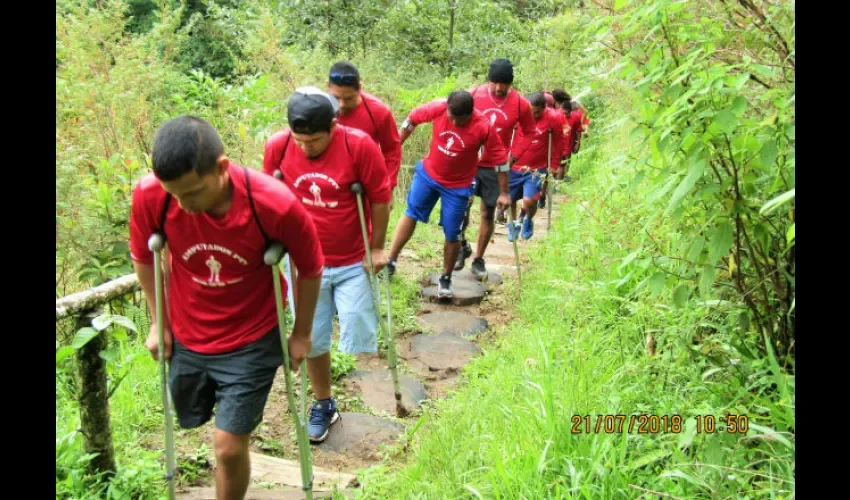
(657, 424)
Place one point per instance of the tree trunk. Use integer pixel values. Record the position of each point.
(94, 401)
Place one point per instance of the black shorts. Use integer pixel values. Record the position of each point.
(487, 185)
(238, 382)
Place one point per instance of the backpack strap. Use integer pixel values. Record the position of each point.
(268, 241)
(372, 118)
(283, 153)
(165, 206)
(167, 203)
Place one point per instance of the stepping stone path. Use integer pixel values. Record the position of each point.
(467, 290)
(362, 432)
(453, 322)
(436, 356)
(376, 389)
(443, 352)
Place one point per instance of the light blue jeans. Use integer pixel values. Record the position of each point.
(345, 291)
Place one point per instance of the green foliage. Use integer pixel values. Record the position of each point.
(718, 133)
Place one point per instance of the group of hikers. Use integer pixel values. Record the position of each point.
(221, 336)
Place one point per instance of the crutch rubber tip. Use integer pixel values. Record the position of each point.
(273, 254)
(278, 175)
(155, 242)
(357, 188)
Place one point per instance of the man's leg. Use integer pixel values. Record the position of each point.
(451, 249)
(403, 232)
(454, 202)
(466, 249)
(532, 188)
(516, 181)
(421, 199)
(489, 193)
(243, 380)
(323, 411)
(233, 465)
(487, 228)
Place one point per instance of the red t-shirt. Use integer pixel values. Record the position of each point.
(534, 155)
(453, 158)
(374, 117)
(323, 185)
(504, 114)
(220, 291)
(571, 131)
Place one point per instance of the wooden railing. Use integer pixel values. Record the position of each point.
(95, 423)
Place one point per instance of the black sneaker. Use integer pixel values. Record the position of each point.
(465, 252)
(391, 266)
(445, 289)
(478, 269)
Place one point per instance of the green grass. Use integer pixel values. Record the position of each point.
(578, 350)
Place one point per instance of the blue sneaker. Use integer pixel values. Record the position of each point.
(322, 416)
(513, 231)
(527, 228)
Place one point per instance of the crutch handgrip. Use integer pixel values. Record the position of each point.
(357, 188)
(278, 175)
(273, 254)
(156, 242)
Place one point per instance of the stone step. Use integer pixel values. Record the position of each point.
(444, 352)
(360, 435)
(466, 291)
(458, 323)
(376, 389)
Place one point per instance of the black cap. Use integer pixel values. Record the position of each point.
(501, 71)
(311, 110)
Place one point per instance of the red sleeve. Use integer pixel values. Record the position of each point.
(390, 147)
(494, 146)
(141, 227)
(273, 154)
(372, 172)
(526, 124)
(296, 231)
(428, 112)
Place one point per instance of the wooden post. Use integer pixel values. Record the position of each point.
(94, 401)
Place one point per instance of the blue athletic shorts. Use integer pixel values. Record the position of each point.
(422, 197)
(526, 185)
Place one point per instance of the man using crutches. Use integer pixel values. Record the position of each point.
(218, 328)
(319, 160)
(446, 173)
(505, 109)
(539, 152)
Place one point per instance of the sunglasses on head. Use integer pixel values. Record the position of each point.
(340, 79)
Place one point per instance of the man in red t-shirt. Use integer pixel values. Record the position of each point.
(528, 172)
(506, 109)
(221, 331)
(446, 173)
(320, 160)
(363, 111)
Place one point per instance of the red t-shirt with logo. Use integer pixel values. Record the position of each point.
(374, 117)
(536, 146)
(504, 113)
(220, 291)
(571, 131)
(323, 185)
(453, 158)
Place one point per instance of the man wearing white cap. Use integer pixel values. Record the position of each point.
(320, 160)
